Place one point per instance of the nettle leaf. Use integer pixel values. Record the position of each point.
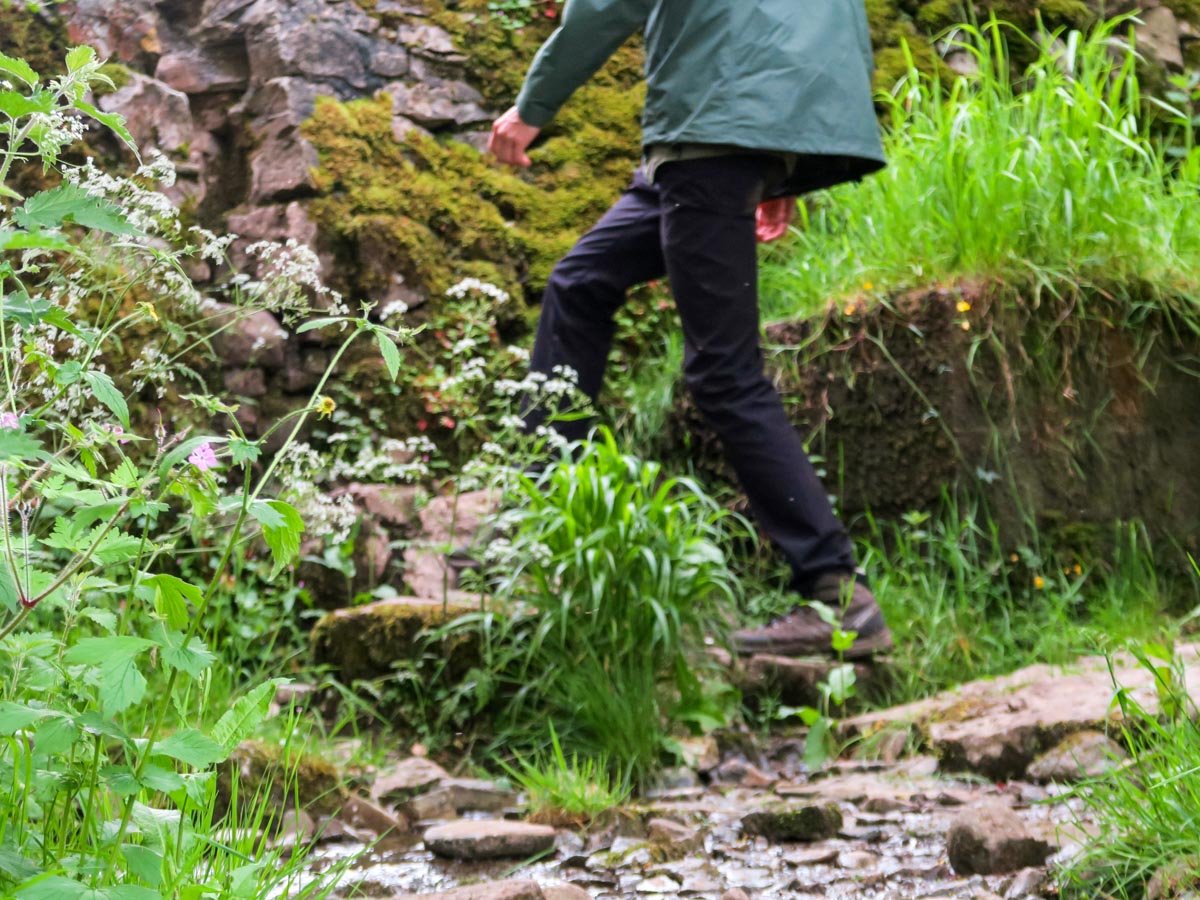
(111, 121)
(29, 240)
(106, 392)
(105, 618)
(80, 56)
(16, 716)
(71, 203)
(281, 528)
(391, 354)
(121, 685)
(55, 887)
(19, 69)
(191, 747)
(143, 862)
(16, 866)
(55, 736)
(171, 597)
(95, 651)
(247, 714)
(159, 779)
(18, 105)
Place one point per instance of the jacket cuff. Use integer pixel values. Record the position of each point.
(536, 114)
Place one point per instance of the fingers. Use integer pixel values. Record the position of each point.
(773, 218)
(509, 139)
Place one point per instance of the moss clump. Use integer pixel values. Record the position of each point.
(436, 211)
(261, 770)
(36, 37)
(795, 822)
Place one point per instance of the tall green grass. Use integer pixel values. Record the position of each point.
(1048, 179)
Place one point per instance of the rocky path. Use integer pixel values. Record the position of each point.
(958, 796)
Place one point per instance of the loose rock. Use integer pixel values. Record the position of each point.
(409, 777)
(990, 838)
(794, 822)
(490, 890)
(489, 840)
(1086, 754)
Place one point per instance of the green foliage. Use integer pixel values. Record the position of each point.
(562, 791)
(108, 772)
(612, 579)
(961, 606)
(1145, 812)
(1048, 180)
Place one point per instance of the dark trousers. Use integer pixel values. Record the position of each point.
(695, 224)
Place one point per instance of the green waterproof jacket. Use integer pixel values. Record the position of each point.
(783, 75)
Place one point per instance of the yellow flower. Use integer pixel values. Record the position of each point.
(964, 325)
(1014, 558)
(325, 407)
(1078, 569)
(1039, 582)
(964, 306)
(867, 286)
(849, 310)
(150, 310)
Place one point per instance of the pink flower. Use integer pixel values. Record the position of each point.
(203, 457)
(116, 431)
(10, 420)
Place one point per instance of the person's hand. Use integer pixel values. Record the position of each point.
(510, 139)
(773, 218)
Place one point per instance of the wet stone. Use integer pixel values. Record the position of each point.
(794, 822)
(990, 838)
(489, 840)
(1086, 754)
(489, 890)
(659, 884)
(410, 777)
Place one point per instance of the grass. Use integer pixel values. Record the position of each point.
(613, 577)
(962, 606)
(1049, 179)
(568, 792)
(1145, 813)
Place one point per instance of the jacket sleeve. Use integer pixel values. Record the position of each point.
(591, 31)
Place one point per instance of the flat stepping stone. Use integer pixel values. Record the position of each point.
(489, 840)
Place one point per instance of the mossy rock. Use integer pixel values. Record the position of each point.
(367, 642)
(265, 772)
(34, 36)
(794, 822)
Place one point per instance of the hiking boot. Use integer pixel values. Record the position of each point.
(802, 632)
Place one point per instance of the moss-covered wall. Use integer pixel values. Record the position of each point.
(35, 37)
(436, 210)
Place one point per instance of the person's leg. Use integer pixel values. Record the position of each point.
(587, 288)
(708, 240)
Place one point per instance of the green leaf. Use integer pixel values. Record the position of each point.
(15, 444)
(243, 451)
(16, 866)
(192, 748)
(144, 863)
(171, 597)
(16, 716)
(120, 780)
(159, 779)
(71, 203)
(107, 393)
(80, 56)
(19, 69)
(127, 892)
(193, 657)
(105, 618)
(121, 685)
(54, 887)
(117, 547)
(18, 105)
(30, 240)
(816, 745)
(96, 651)
(57, 735)
(111, 121)
(246, 714)
(283, 537)
(318, 323)
(391, 354)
